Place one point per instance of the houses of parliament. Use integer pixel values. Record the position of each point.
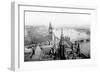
(55, 48)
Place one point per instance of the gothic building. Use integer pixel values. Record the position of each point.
(50, 31)
(61, 48)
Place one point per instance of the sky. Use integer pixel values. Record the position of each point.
(57, 19)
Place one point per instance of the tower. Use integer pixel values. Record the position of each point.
(78, 48)
(50, 31)
(61, 47)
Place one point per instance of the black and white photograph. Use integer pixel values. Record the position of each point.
(56, 36)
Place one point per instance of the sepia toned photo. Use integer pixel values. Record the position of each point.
(56, 36)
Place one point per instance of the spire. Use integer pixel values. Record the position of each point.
(62, 37)
(50, 26)
(61, 47)
(61, 31)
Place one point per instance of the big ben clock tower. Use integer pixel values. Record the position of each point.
(50, 31)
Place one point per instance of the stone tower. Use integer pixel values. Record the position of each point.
(50, 32)
(61, 47)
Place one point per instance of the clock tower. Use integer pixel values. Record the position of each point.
(50, 31)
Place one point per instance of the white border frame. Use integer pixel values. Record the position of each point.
(17, 21)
